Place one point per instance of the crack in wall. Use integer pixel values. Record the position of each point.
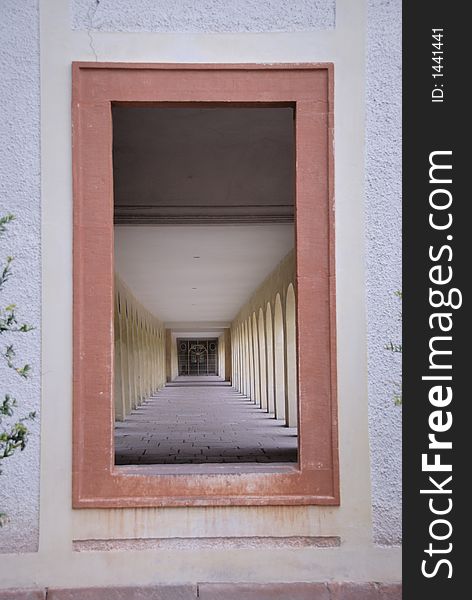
(92, 11)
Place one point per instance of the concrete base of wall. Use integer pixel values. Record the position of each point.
(218, 591)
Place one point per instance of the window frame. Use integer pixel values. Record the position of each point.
(97, 481)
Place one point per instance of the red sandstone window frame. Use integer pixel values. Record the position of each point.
(97, 482)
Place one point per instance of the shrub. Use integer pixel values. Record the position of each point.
(13, 430)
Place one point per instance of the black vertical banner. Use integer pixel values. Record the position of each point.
(436, 311)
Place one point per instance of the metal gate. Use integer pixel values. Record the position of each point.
(198, 357)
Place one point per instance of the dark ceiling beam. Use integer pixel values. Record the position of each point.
(132, 214)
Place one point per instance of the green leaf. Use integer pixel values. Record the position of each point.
(4, 222)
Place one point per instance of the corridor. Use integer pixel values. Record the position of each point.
(202, 420)
(205, 286)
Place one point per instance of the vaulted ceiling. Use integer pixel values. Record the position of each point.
(198, 276)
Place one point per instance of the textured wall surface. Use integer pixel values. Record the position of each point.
(383, 256)
(20, 195)
(219, 16)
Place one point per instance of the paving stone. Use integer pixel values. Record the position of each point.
(353, 591)
(23, 594)
(178, 592)
(200, 423)
(272, 591)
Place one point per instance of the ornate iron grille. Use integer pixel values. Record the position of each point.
(198, 357)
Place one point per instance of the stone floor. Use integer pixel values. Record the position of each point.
(200, 420)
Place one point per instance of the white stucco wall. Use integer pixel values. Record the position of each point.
(20, 195)
(383, 261)
(219, 16)
(357, 559)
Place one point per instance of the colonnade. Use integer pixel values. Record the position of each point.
(258, 354)
(224, 355)
(264, 347)
(139, 368)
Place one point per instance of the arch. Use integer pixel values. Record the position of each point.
(235, 357)
(279, 359)
(270, 360)
(128, 356)
(140, 362)
(291, 408)
(257, 367)
(247, 362)
(262, 360)
(152, 369)
(234, 354)
(133, 358)
(119, 408)
(155, 358)
(147, 346)
(125, 356)
(252, 380)
(240, 358)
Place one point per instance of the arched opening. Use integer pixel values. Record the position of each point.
(246, 389)
(234, 357)
(237, 372)
(252, 370)
(133, 359)
(279, 361)
(255, 341)
(241, 359)
(248, 361)
(291, 358)
(125, 312)
(262, 360)
(139, 354)
(270, 360)
(125, 356)
(237, 360)
(120, 410)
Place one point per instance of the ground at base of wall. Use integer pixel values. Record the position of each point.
(218, 591)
